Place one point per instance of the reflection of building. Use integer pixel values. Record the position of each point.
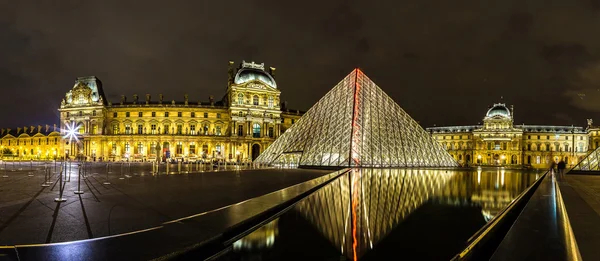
(238, 127)
(368, 204)
(499, 142)
(260, 239)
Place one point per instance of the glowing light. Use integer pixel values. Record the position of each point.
(71, 132)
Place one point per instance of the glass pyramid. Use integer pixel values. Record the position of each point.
(590, 162)
(356, 124)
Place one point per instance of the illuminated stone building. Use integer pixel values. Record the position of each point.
(499, 142)
(41, 142)
(238, 127)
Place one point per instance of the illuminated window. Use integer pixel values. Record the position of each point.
(153, 114)
(140, 114)
(127, 147)
(241, 114)
(153, 128)
(179, 114)
(140, 148)
(270, 102)
(218, 130)
(114, 149)
(240, 98)
(192, 148)
(81, 128)
(256, 130)
(193, 129)
(114, 114)
(94, 129)
(218, 149)
(218, 115)
(166, 114)
(255, 100)
(179, 148)
(179, 129)
(127, 129)
(205, 129)
(166, 128)
(93, 113)
(140, 129)
(206, 115)
(115, 129)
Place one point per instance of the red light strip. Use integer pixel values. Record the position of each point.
(355, 197)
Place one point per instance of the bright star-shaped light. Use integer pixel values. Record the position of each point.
(71, 132)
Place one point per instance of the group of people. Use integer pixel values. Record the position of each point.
(559, 168)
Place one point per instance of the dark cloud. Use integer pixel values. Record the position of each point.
(444, 62)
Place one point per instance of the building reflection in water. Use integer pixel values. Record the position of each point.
(259, 240)
(357, 211)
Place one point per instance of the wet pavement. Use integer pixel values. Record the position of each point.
(135, 199)
(581, 195)
(376, 214)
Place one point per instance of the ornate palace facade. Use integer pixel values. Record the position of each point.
(499, 142)
(238, 127)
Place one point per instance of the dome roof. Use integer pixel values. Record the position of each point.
(245, 75)
(498, 109)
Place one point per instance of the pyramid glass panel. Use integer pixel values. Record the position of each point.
(357, 124)
(590, 162)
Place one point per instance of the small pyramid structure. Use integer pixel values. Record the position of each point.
(357, 125)
(590, 162)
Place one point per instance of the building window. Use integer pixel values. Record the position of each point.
(293, 121)
(241, 114)
(528, 136)
(528, 146)
(206, 115)
(255, 100)
(127, 147)
(205, 129)
(127, 129)
(166, 128)
(270, 132)
(93, 113)
(166, 114)
(240, 130)
(114, 114)
(179, 148)
(193, 114)
(153, 128)
(256, 130)
(140, 148)
(127, 114)
(538, 159)
(240, 98)
(538, 137)
(218, 130)
(140, 114)
(218, 115)
(204, 149)
(179, 114)
(179, 129)
(94, 129)
(153, 114)
(140, 129)
(192, 148)
(69, 114)
(547, 137)
(270, 102)
(115, 129)
(218, 149)
(193, 129)
(580, 137)
(80, 113)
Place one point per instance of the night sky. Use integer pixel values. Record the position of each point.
(443, 61)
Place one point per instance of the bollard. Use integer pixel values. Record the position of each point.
(179, 167)
(167, 171)
(79, 191)
(45, 184)
(121, 169)
(60, 188)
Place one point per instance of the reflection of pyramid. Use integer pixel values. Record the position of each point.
(364, 206)
(590, 162)
(356, 124)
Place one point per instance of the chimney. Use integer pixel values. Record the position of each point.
(147, 99)
(18, 130)
(230, 72)
(54, 127)
(173, 102)
(7, 131)
(123, 99)
(212, 100)
(25, 129)
(135, 99)
(160, 98)
(47, 127)
(39, 128)
(185, 98)
(31, 129)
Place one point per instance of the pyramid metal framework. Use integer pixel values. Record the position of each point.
(356, 124)
(590, 162)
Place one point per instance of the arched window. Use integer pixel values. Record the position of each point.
(256, 130)
(240, 98)
(271, 102)
(255, 100)
(241, 114)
